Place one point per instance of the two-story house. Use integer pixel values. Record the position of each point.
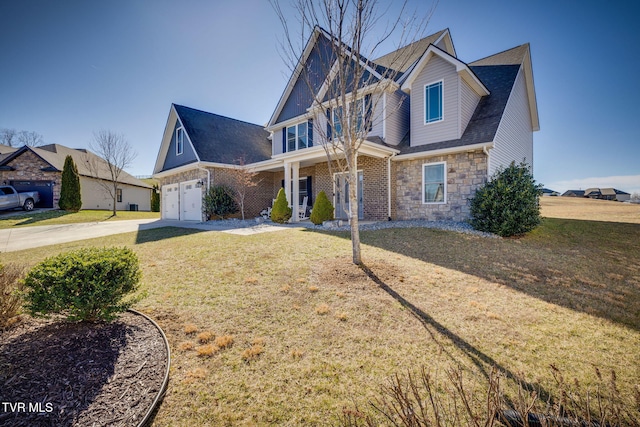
(440, 127)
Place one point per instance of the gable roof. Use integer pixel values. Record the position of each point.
(55, 154)
(5, 151)
(220, 139)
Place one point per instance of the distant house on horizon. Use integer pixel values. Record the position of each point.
(600, 194)
(547, 192)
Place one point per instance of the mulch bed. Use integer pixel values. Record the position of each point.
(54, 373)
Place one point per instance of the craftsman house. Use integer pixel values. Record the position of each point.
(440, 127)
(40, 169)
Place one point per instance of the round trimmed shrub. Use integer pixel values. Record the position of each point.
(507, 205)
(85, 285)
(281, 212)
(322, 209)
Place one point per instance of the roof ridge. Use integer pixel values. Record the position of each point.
(502, 53)
(218, 115)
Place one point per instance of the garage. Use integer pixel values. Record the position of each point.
(44, 188)
(190, 201)
(170, 201)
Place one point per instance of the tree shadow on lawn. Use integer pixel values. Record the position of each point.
(483, 362)
(37, 216)
(587, 266)
(162, 233)
(60, 366)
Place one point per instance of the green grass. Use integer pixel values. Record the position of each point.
(56, 217)
(566, 295)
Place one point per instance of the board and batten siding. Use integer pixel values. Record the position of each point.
(469, 100)
(436, 69)
(174, 160)
(514, 138)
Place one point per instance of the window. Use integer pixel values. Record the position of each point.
(179, 141)
(119, 195)
(434, 183)
(299, 136)
(433, 102)
(360, 114)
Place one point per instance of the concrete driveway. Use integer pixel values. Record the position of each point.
(19, 238)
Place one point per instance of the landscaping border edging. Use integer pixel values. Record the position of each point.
(165, 381)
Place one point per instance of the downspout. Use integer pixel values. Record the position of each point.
(389, 185)
(208, 176)
(485, 151)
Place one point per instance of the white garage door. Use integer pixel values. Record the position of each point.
(170, 201)
(191, 201)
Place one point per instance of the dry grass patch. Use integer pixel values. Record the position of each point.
(186, 346)
(322, 309)
(190, 328)
(589, 209)
(224, 341)
(207, 350)
(205, 337)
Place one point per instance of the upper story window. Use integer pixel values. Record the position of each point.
(359, 114)
(179, 141)
(299, 136)
(433, 102)
(434, 183)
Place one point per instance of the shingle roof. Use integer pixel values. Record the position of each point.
(513, 56)
(482, 127)
(220, 139)
(401, 59)
(5, 151)
(55, 154)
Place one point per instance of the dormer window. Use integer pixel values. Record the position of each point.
(433, 102)
(179, 141)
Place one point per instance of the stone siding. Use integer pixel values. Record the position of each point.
(466, 172)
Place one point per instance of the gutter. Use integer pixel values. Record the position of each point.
(485, 146)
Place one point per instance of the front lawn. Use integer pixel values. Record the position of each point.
(56, 217)
(313, 334)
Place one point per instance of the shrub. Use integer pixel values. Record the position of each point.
(155, 199)
(86, 285)
(10, 298)
(322, 209)
(70, 198)
(507, 205)
(218, 203)
(281, 212)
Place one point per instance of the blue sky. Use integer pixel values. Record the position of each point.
(72, 67)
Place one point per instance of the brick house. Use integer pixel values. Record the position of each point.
(40, 169)
(440, 127)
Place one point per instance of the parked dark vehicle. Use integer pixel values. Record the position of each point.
(11, 199)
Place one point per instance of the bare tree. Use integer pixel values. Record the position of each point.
(30, 138)
(241, 180)
(8, 137)
(354, 85)
(114, 155)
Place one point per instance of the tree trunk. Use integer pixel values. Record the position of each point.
(353, 208)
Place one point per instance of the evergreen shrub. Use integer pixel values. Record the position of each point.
(507, 205)
(217, 202)
(322, 209)
(281, 212)
(70, 197)
(88, 284)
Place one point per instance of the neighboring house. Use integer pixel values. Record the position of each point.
(573, 193)
(547, 192)
(607, 194)
(40, 169)
(442, 128)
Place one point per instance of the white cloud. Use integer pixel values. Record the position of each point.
(628, 183)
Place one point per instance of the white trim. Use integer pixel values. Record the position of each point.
(443, 151)
(424, 104)
(180, 144)
(444, 179)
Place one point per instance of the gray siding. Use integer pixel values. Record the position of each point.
(469, 100)
(174, 161)
(514, 138)
(397, 121)
(435, 70)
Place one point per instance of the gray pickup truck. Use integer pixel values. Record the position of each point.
(10, 198)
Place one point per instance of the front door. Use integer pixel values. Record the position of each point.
(342, 196)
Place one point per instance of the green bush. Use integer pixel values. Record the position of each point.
(281, 212)
(10, 297)
(507, 205)
(322, 209)
(155, 199)
(85, 285)
(70, 197)
(218, 203)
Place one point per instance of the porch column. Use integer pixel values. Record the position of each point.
(295, 196)
(287, 181)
